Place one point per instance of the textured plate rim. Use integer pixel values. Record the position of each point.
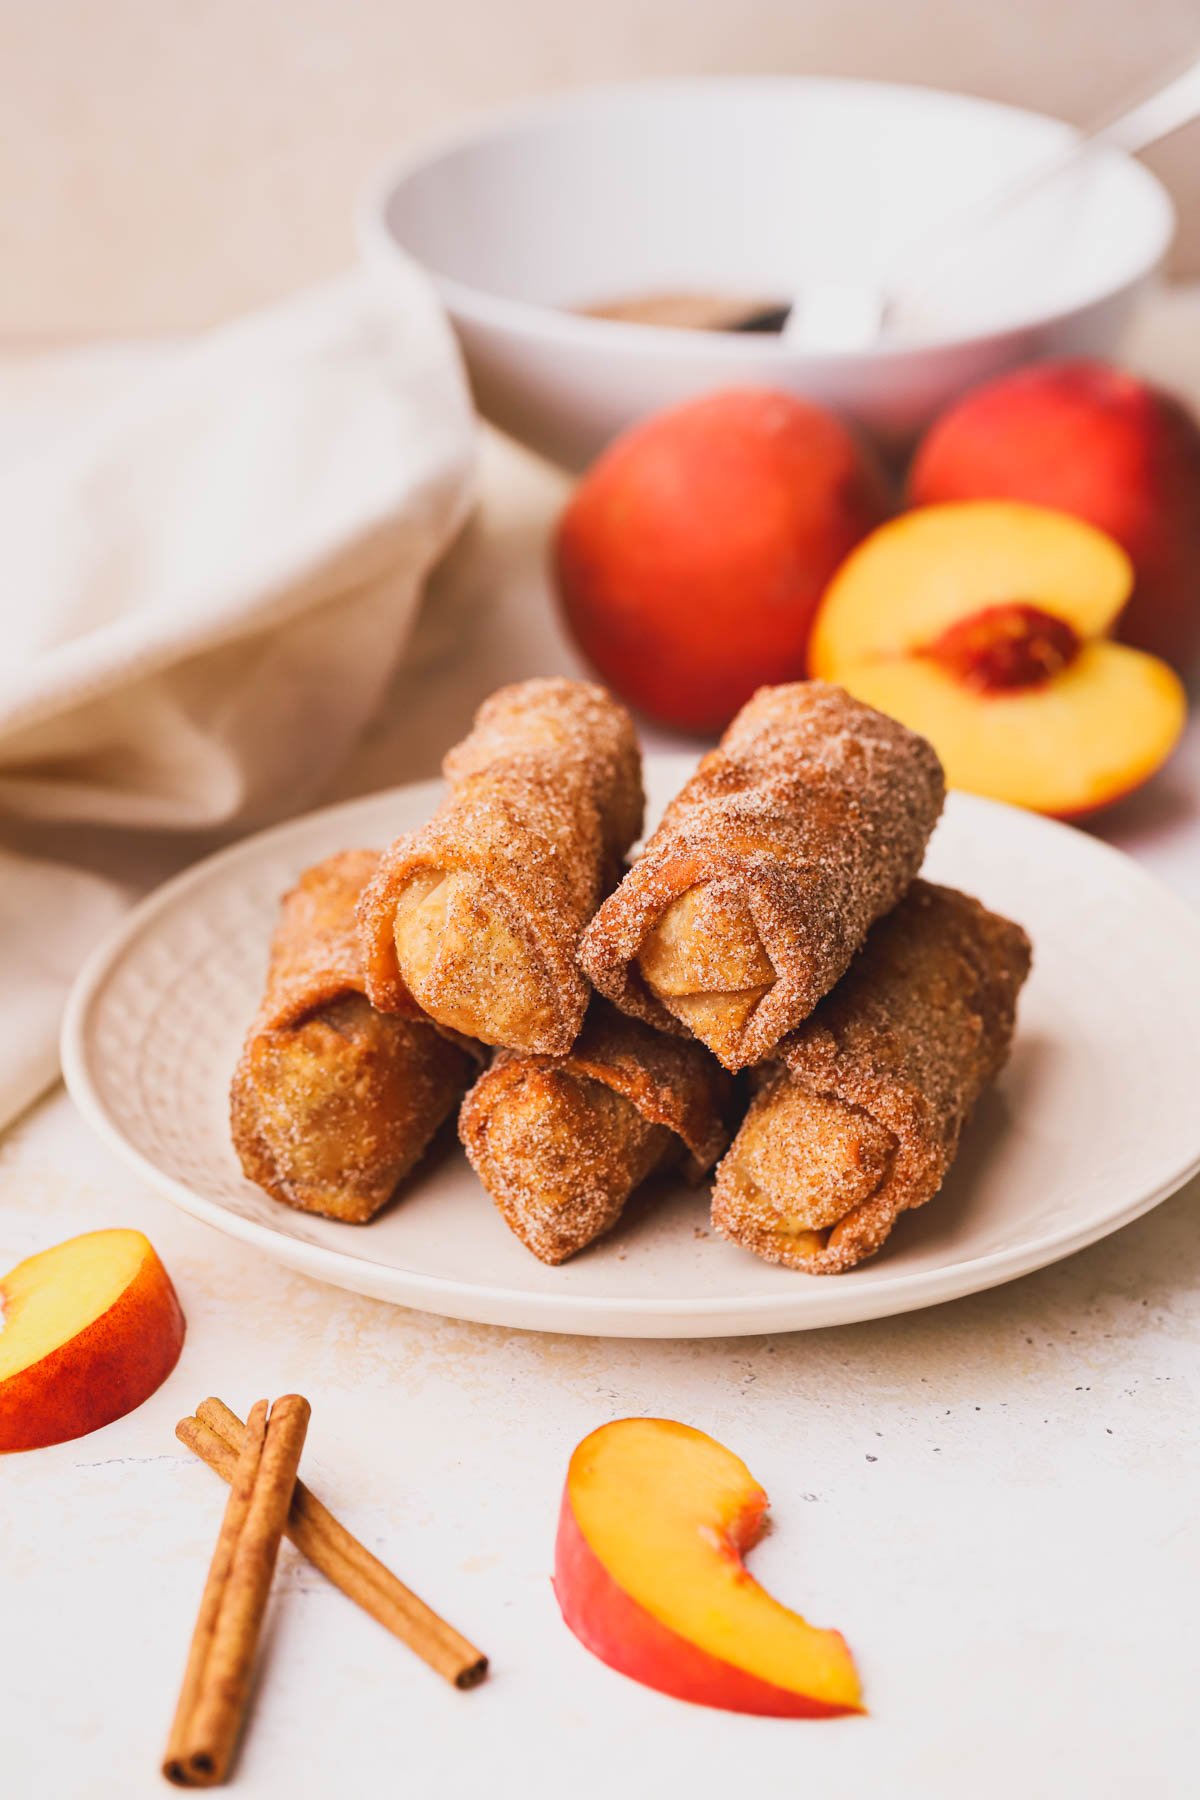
(586, 1315)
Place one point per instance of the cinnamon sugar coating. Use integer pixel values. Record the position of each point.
(804, 826)
(475, 918)
(333, 1103)
(861, 1119)
(561, 1142)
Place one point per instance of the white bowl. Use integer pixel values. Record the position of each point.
(756, 184)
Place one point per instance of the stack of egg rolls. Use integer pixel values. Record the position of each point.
(774, 924)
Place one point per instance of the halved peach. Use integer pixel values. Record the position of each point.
(656, 1518)
(982, 625)
(89, 1330)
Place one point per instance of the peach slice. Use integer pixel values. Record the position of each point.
(89, 1330)
(656, 1518)
(982, 625)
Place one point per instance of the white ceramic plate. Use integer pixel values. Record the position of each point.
(1093, 1122)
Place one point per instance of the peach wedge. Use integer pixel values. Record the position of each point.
(89, 1330)
(983, 626)
(656, 1518)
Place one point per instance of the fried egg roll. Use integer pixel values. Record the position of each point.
(561, 1142)
(475, 918)
(333, 1103)
(804, 826)
(861, 1118)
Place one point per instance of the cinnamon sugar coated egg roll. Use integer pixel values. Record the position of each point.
(861, 1120)
(804, 826)
(561, 1143)
(334, 1103)
(475, 918)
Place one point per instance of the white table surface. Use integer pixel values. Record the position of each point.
(995, 1500)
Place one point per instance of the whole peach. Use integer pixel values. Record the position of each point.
(1091, 440)
(692, 555)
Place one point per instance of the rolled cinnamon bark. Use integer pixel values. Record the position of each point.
(561, 1143)
(475, 918)
(216, 1434)
(334, 1103)
(861, 1119)
(804, 826)
(216, 1682)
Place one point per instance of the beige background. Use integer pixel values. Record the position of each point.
(167, 162)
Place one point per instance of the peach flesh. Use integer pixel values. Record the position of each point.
(1078, 743)
(649, 1574)
(1009, 645)
(90, 1328)
(923, 572)
(982, 625)
(626, 1637)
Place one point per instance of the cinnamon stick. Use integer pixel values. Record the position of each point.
(216, 1434)
(216, 1682)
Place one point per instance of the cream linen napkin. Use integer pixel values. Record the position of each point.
(208, 588)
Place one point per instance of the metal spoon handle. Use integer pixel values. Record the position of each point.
(844, 316)
(1171, 105)
(1133, 127)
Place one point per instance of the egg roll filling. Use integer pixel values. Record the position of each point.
(767, 870)
(465, 965)
(475, 917)
(705, 961)
(805, 1160)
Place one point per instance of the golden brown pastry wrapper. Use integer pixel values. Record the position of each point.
(861, 1120)
(333, 1103)
(561, 1142)
(804, 826)
(475, 918)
